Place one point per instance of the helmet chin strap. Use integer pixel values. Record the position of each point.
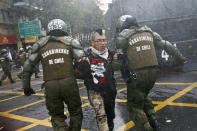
(103, 54)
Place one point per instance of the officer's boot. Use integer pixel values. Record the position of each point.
(59, 125)
(154, 124)
(10, 78)
(12, 81)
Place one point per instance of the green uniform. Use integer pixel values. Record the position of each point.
(28, 53)
(22, 58)
(56, 55)
(139, 46)
(5, 64)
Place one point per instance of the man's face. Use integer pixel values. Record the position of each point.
(99, 42)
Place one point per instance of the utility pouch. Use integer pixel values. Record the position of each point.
(134, 76)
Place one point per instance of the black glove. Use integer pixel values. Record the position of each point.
(84, 67)
(122, 58)
(28, 91)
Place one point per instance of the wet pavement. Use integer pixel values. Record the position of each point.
(174, 97)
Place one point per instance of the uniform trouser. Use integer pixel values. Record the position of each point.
(34, 71)
(6, 73)
(139, 104)
(59, 92)
(97, 102)
(21, 73)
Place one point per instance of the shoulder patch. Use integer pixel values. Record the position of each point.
(126, 33)
(157, 36)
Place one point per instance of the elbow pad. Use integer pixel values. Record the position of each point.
(157, 38)
(39, 44)
(33, 58)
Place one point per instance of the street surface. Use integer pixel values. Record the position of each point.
(174, 97)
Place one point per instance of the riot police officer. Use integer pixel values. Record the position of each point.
(56, 53)
(28, 53)
(22, 58)
(139, 43)
(22, 55)
(5, 64)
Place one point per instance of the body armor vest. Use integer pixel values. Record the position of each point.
(141, 51)
(56, 59)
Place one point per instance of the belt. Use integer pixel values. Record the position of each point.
(149, 67)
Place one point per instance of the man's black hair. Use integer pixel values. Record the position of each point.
(100, 31)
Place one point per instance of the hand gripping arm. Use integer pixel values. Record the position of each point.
(33, 59)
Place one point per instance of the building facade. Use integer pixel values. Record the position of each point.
(172, 19)
(11, 13)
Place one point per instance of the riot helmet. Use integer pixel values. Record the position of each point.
(125, 22)
(21, 49)
(4, 51)
(28, 47)
(57, 27)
